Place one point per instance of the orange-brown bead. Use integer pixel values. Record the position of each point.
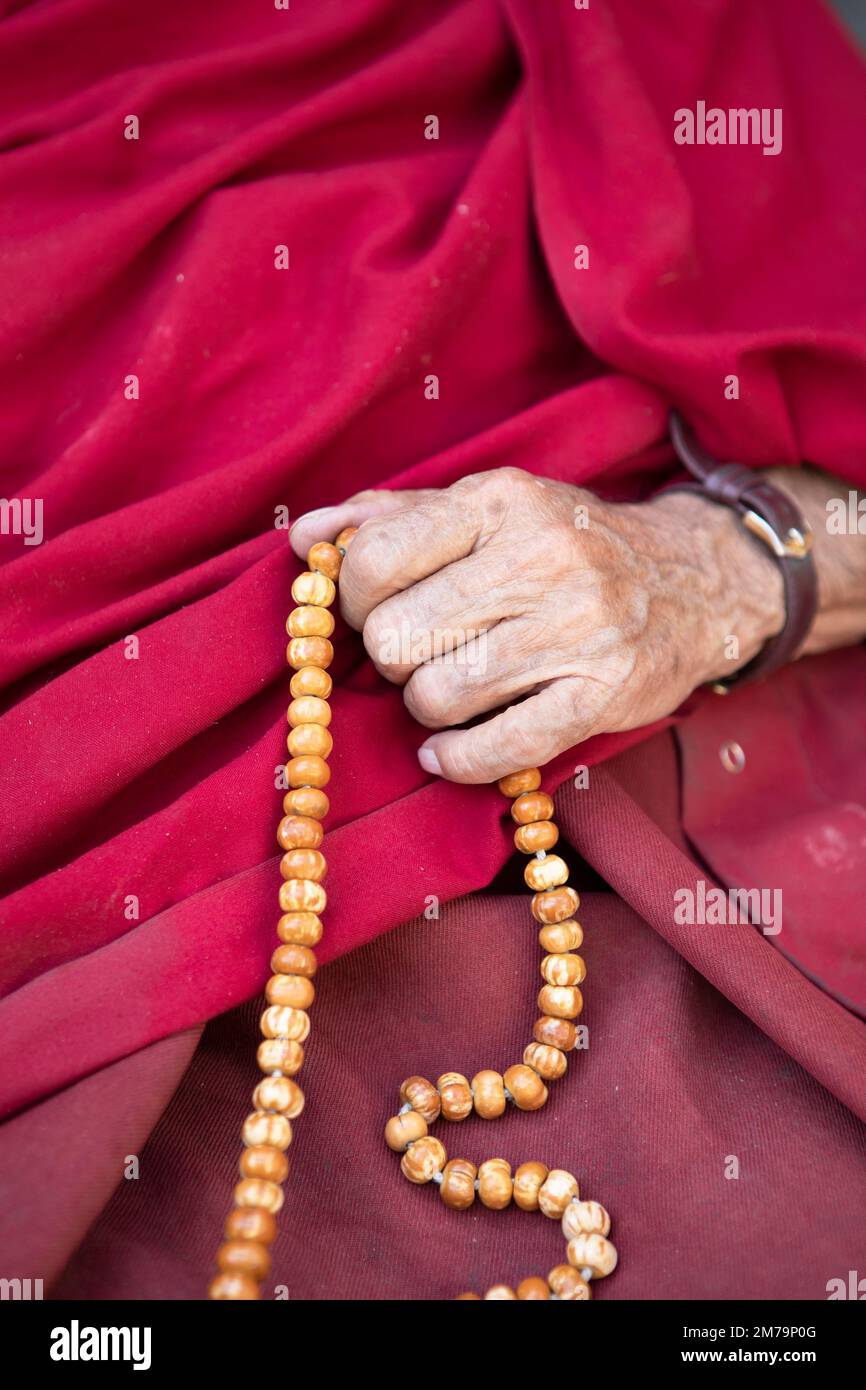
(528, 1181)
(290, 991)
(258, 1192)
(494, 1184)
(532, 807)
(326, 558)
(403, 1130)
(280, 1054)
(318, 589)
(554, 905)
(244, 1257)
(549, 1062)
(488, 1090)
(300, 928)
(558, 1189)
(281, 1094)
(516, 782)
(561, 1001)
(308, 770)
(499, 1293)
(294, 960)
(565, 969)
(273, 1130)
(310, 621)
(422, 1095)
(311, 680)
(560, 936)
(309, 709)
(299, 832)
(525, 1087)
(555, 1032)
(251, 1223)
(455, 1096)
(457, 1188)
(423, 1159)
(568, 1285)
(285, 1022)
(309, 651)
(310, 740)
(238, 1287)
(542, 834)
(345, 538)
(302, 895)
(543, 874)
(304, 863)
(306, 801)
(264, 1162)
(592, 1251)
(533, 1289)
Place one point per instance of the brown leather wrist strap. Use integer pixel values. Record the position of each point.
(773, 518)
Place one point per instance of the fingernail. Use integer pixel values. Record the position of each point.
(428, 760)
(318, 515)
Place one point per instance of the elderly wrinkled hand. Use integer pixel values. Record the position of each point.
(556, 614)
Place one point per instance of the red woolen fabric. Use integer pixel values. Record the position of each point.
(152, 778)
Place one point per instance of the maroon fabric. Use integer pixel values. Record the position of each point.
(677, 1079)
(151, 778)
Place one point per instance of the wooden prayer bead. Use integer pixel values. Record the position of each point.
(549, 1062)
(345, 537)
(310, 739)
(311, 680)
(528, 1181)
(264, 1162)
(403, 1130)
(488, 1090)
(304, 863)
(309, 651)
(563, 969)
(543, 874)
(455, 1096)
(560, 936)
(593, 1252)
(422, 1095)
(555, 905)
(308, 709)
(233, 1286)
(251, 1223)
(281, 1094)
(314, 588)
(499, 1294)
(291, 991)
(280, 1054)
(299, 832)
(294, 960)
(516, 782)
(558, 1189)
(300, 928)
(533, 1289)
(532, 807)
(258, 1192)
(423, 1158)
(494, 1184)
(309, 770)
(308, 802)
(555, 1032)
(562, 1001)
(468, 1298)
(542, 834)
(585, 1219)
(568, 1285)
(457, 1188)
(326, 558)
(302, 895)
(260, 1128)
(244, 1257)
(525, 1087)
(282, 1022)
(310, 621)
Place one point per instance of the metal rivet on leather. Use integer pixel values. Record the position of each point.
(732, 757)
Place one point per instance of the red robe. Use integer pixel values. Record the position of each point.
(169, 389)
